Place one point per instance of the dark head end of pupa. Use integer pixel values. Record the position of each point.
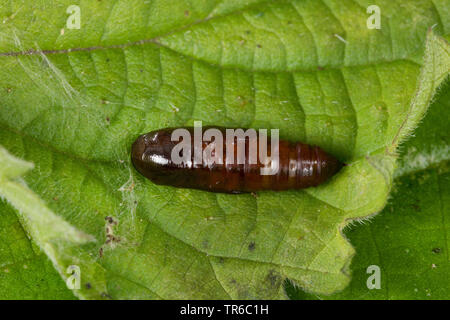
(151, 151)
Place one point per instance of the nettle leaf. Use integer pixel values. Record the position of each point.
(409, 239)
(55, 237)
(73, 100)
(430, 145)
(25, 272)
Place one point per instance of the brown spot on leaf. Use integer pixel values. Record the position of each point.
(273, 278)
(110, 220)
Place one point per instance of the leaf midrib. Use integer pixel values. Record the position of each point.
(155, 41)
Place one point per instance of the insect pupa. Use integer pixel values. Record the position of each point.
(298, 165)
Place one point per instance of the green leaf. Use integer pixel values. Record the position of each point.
(57, 239)
(409, 240)
(74, 100)
(25, 271)
(431, 142)
(34, 213)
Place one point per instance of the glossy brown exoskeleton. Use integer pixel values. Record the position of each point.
(299, 166)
